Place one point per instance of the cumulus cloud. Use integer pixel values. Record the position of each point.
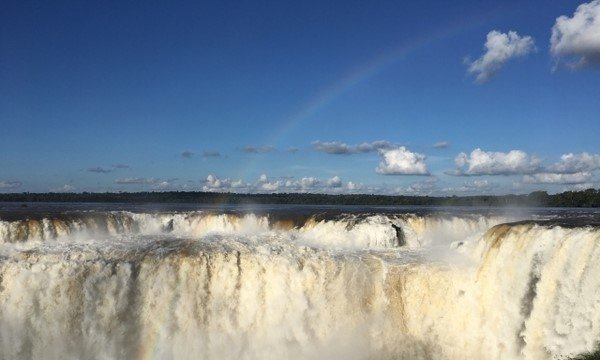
(340, 148)
(441, 144)
(576, 163)
(309, 182)
(215, 184)
(352, 186)
(293, 150)
(571, 169)
(265, 185)
(270, 186)
(499, 49)
(481, 162)
(555, 178)
(576, 39)
(211, 154)
(334, 182)
(250, 149)
(9, 185)
(99, 170)
(305, 184)
(335, 185)
(402, 161)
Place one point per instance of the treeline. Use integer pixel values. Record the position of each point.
(586, 198)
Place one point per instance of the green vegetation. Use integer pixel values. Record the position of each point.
(586, 198)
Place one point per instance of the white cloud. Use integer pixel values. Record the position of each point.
(352, 186)
(577, 38)
(441, 144)
(402, 161)
(304, 184)
(238, 184)
(334, 182)
(309, 182)
(10, 184)
(555, 178)
(499, 49)
(340, 148)
(264, 184)
(214, 183)
(575, 163)
(480, 162)
(270, 186)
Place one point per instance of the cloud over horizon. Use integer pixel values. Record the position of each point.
(215, 184)
(576, 40)
(499, 49)
(479, 162)
(557, 178)
(306, 184)
(8, 185)
(575, 163)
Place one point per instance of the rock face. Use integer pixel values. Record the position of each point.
(168, 227)
(399, 235)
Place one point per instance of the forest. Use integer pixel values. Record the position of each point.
(585, 198)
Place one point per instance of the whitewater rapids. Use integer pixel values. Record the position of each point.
(200, 284)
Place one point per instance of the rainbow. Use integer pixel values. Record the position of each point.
(359, 75)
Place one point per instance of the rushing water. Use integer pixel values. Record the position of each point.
(189, 282)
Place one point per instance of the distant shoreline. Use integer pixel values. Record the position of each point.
(585, 198)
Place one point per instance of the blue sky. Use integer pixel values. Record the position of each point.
(337, 97)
